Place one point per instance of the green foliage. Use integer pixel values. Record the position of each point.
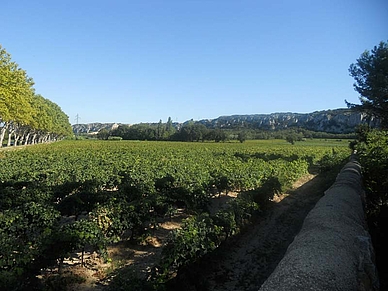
(128, 279)
(372, 150)
(373, 154)
(146, 131)
(243, 208)
(103, 134)
(15, 91)
(267, 190)
(198, 236)
(26, 117)
(226, 220)
(242, 136)
(201, 234)
(288, 173)
(215, 134)
(24, 233)
(115, 138)
(292, 137)
(62, 282)
(192, 131)
(332, 160)
(371, 76)
(79, 235)
(80, 195)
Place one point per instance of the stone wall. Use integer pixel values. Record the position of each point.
(333, 250)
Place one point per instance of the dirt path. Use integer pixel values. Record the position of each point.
(242, 263)
(245, 262)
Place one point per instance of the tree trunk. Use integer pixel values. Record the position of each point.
(11, 132)
(27, 138)
(21, 140)
(19, 136)
(60, 265)
(33, 141)
(9, 138)
(2, 133)
(82, 257)
(16, 139)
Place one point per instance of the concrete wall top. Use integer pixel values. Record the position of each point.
(333, 250)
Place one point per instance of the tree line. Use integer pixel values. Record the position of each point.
(26, 117)
(192, 131)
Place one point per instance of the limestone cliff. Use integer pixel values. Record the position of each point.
(93, 128)
(333, 121)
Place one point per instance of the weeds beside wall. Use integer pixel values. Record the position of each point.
(372, 149)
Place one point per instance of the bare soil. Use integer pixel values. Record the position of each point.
(242, 263)
(96, 273)
(246, 261)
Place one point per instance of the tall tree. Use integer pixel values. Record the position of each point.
(169, 126)
(24, 114)
(16, 93)
(160, 130)
(242, 136)
(371, 75)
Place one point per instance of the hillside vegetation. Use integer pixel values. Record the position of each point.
(372, 148)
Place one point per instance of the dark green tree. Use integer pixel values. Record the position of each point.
(215, 134)
(371, 75)
(292, 137)
(121, 131)
(192, 132)
(220, 135)
(103, 134)
(242, 136)
(169, 126)
(160, 130)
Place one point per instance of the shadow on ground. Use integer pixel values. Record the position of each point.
(244, 262)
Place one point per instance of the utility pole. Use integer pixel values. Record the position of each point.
(77, 118)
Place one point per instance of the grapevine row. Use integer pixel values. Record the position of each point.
(74, 195)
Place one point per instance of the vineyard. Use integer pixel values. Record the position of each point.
(81, 196)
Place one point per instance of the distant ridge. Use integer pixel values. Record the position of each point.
(93, 128)
(341, 120)
(331, 121)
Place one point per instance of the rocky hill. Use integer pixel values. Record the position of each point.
(332, 121)
(93, 128)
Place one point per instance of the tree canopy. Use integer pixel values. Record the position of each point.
(26, 117)
(371, 81)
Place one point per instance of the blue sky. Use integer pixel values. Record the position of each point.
(142, 61)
